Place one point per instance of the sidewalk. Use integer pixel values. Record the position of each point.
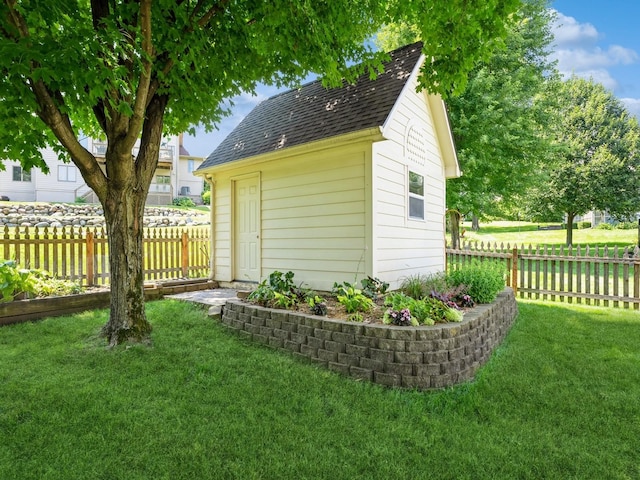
(214, 298)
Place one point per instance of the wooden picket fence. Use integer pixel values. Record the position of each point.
(590, 275)
(81, 254)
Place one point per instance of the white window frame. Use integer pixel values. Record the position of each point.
(191, 165)
(67, 173)
(415, 196)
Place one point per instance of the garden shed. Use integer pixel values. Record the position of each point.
(335, 184)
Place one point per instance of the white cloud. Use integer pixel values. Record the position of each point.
(568, 32)
(577, 52)
(633, 105)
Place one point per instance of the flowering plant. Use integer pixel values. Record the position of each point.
(399, 317)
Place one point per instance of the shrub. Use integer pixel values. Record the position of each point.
(483, 280)
(206, 197)
(604, 226)
(627, 225)
(583, 225)
(183, 202)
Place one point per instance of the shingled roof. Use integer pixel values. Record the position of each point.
(313, 112)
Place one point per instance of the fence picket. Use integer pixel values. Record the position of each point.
(81, 254)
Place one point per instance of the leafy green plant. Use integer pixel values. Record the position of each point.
(426, 311)
(45, 285)
(355, 317)
(206, 197)
(15, 281)
(317, 305)
(183, 202)
(483, 279)
(398, 301)
(278, 291)
(374, 287)
(352, 298)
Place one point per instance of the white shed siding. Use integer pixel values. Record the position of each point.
(405, 247)
(313, 216)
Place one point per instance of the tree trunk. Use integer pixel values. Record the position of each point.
(475, 223)
(123, 215)
(570, 218)
(454, 221)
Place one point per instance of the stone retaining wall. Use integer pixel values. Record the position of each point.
(80, 215)
(414, 357)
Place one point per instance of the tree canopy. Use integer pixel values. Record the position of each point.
(598, 164)
(499, 120)
(126, 71)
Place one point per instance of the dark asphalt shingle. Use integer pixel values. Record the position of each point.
(313, 112)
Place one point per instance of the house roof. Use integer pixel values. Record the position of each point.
(314, 112)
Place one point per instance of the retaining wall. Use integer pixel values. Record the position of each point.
(413, 357)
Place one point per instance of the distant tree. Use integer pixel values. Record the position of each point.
(599, 164)
(500, 119)
(123, 70)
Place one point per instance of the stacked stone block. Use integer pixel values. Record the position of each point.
(426, 357)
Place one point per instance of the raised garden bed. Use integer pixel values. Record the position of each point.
(36, 308)
(424, 357)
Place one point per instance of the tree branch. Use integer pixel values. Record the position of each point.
(49, 102)
(142, 92)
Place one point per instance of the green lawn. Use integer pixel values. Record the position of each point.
(527, 233)
(559, 399)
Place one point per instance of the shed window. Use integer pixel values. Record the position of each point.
(416, 196)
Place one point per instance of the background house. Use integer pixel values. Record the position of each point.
(174, 177)
(335, 184)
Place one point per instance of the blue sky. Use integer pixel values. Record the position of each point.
(593, 39)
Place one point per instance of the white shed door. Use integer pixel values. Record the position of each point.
(247, 230)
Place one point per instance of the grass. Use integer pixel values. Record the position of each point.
(559, 399)
(527, 233)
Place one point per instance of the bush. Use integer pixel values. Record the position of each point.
(604, 226)
(627, 225)
(483, 280)
(206, 197)
(183, 202)
(583, 225)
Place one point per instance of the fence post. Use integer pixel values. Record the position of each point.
(89, 260)
(514, 270)
(636, 283)
(185, 254)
